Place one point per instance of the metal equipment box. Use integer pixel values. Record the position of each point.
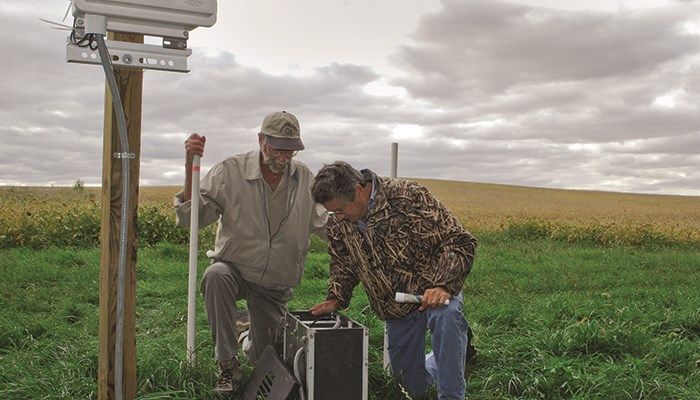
(165, 18)
(328, 354)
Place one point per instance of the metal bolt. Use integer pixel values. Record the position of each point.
(185, 34)
(80, 22)
(181, 45)
(127, 59)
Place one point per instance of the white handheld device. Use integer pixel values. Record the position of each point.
(412, 298)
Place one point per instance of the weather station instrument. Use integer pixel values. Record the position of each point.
(329, 356)
(170, 20)
(124, 52)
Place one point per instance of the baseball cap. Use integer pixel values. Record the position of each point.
(282, 130)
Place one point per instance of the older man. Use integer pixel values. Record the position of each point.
(262, 202)
(394, 236)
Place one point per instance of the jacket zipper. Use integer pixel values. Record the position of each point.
(269, 236)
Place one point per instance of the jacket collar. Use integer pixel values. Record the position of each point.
(252, 166)
(378, 199)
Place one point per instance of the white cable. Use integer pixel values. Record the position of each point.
(338, 321)
(123, 222)
(297, 371)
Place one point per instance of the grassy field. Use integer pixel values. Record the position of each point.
(551, 320)
(574, 294)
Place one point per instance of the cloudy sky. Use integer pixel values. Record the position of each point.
(598, 95)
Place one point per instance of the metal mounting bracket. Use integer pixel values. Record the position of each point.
(174, 43)
(132, 55)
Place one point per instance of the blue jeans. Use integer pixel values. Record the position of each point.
(445, 365)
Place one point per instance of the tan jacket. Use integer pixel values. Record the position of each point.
(232, 193)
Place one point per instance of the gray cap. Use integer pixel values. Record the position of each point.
(282, 130)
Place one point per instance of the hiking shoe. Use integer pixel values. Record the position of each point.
(471, 353)
(471, 350)
(242, 321)
(229, 380)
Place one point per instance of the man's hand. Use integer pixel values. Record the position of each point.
(326, 307)
(194, 145)
(434, 298)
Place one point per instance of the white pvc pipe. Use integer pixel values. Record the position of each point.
(394, 173)
(192, 277)
(394, 159)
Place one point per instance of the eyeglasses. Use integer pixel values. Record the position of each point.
(340, 211)
(280, 152)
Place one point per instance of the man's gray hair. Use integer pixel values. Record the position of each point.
(336, 181)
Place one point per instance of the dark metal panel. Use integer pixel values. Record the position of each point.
(338, 360)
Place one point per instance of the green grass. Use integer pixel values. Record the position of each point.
(551, 320)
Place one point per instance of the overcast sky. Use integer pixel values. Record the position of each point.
(598, 95)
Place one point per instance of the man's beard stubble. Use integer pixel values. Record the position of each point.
(274, 166)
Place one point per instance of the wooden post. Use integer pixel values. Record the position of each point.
(130, 83)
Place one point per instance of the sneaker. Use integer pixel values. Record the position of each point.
(229, 380)
(244, 342)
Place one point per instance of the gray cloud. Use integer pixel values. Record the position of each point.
(515, 74)
(502, 93)
(486, 47)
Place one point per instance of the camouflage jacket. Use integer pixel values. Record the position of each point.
(411, 243)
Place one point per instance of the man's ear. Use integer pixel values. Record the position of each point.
(261, 137)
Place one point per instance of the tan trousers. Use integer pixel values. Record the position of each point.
(222, 286)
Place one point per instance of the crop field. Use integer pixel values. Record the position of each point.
(574, 295)
(38, 217)
(491, 206)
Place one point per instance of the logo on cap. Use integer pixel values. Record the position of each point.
(288, 130)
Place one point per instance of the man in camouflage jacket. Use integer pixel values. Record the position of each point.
(394, 236)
